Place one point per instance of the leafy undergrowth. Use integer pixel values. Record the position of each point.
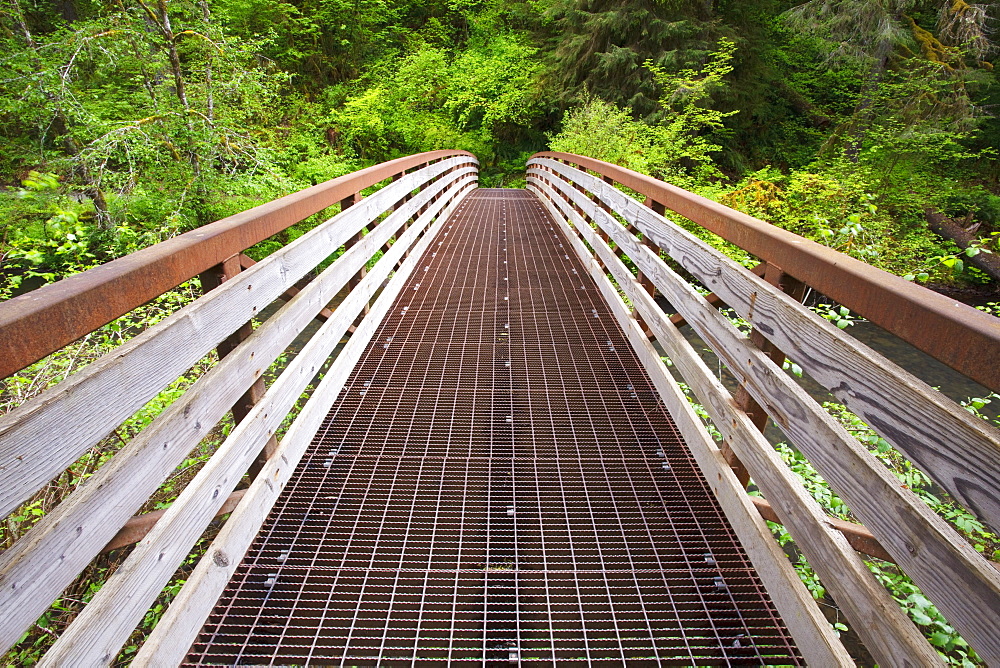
(920, 609)
(952, 647)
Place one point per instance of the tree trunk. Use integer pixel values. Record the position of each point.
(964, 237)
(161, 20)
(865, 111)
(60, 124)
(67, 8)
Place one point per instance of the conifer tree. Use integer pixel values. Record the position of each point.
(601, 47)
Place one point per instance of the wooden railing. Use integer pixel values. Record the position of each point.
(47, 434)
(960, 452)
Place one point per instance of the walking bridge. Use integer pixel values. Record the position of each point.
(499, 465)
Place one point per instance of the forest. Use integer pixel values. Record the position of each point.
(870, 126)
(867, 125)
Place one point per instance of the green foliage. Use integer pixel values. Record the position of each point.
(107, 102)
(51, 235)
(277, 95)
(993, 308)
(921, 610)
(838, 315)
(840, 208)
(493, 88)
(683, 134)
(601, 130)
(481, 100)
(601, 48)
(676, 149)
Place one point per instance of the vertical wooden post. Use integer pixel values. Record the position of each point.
(210, 280)
(345, 204)
(791, 286)
(600, 232)
(646, 282)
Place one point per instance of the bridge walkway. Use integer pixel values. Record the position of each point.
(497, 483)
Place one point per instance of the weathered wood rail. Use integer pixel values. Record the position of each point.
(633, 251)
(41, 438)
(958, 451)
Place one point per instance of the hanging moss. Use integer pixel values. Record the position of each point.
(930, 46)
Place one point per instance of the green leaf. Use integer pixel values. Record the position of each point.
(940, 639)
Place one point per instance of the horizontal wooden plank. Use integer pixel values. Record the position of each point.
(247, 262)
(44, 320)
(886, 631)
(713, 299)
(957, 334)
(96, 636)
(43, 437)
(169, 642)
(953, 575)
(802, 616)
(958, 451)
(30, 578)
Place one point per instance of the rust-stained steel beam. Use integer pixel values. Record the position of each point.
(960, 336)
(42, 321)
(140, 525)
(858, 535)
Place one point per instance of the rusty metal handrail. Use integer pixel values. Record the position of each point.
(954, 333)
(40, 322)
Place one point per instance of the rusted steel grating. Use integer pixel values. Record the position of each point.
(497, 483)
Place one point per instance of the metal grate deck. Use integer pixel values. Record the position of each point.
(496, 484)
